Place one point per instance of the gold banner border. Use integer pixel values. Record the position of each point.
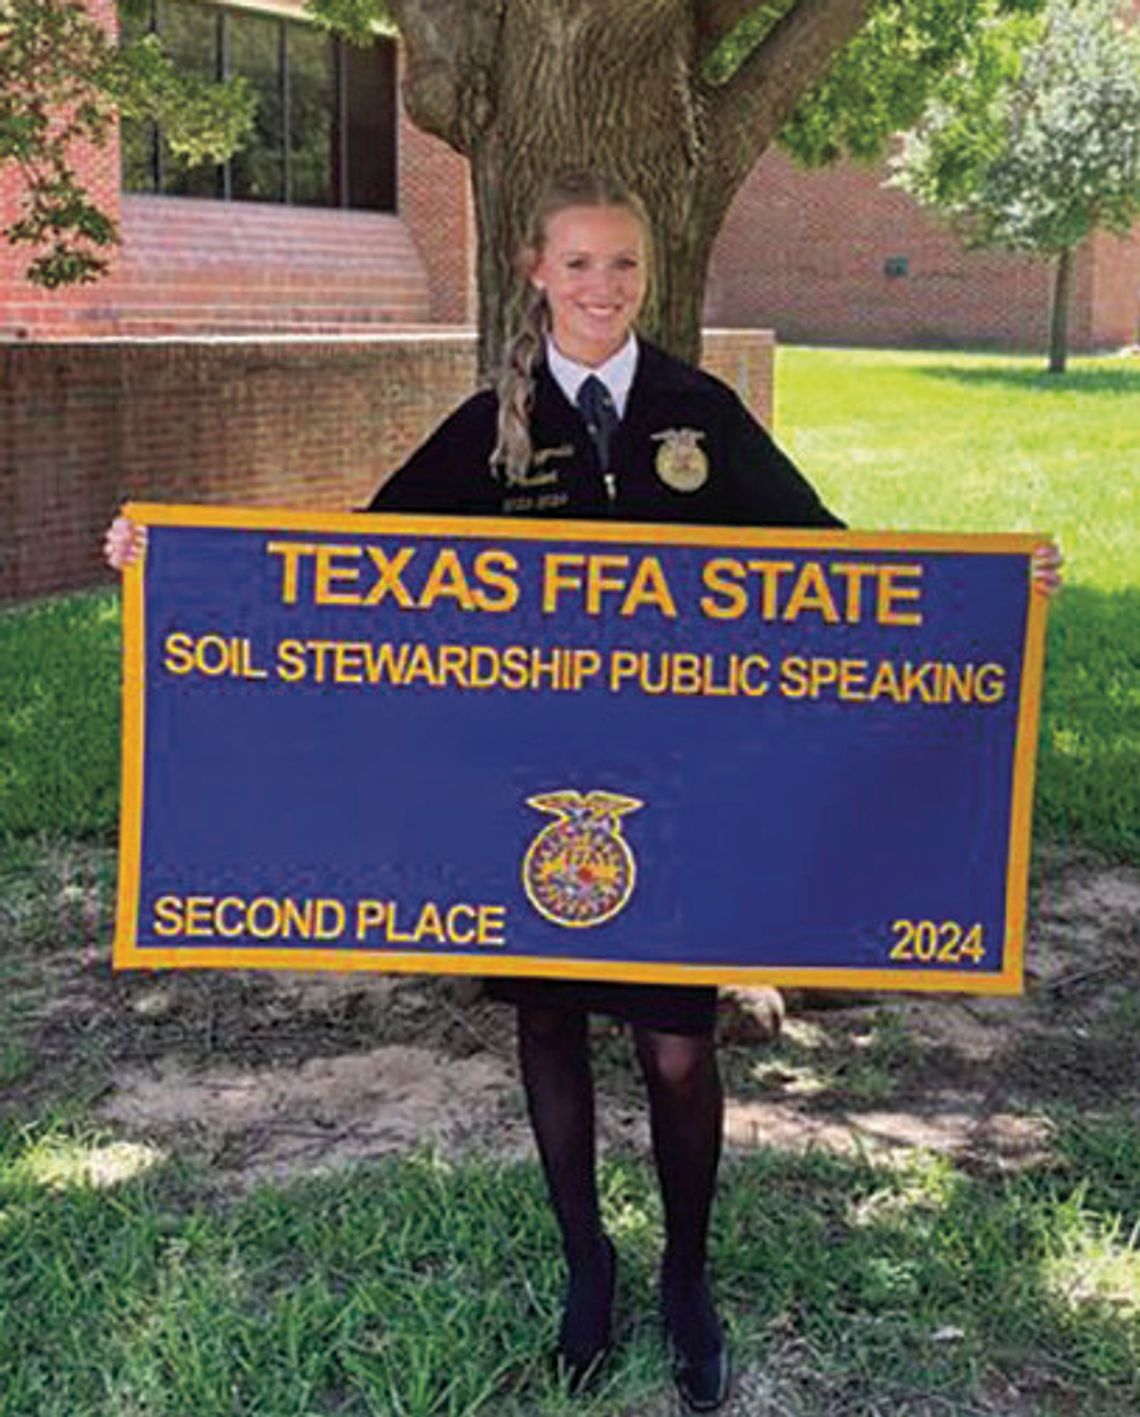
(128, 955)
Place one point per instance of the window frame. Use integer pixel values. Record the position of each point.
(287, 12)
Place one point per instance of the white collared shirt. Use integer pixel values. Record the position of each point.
(616, 373)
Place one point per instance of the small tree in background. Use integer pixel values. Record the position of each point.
(1034, 143)
(63, 78)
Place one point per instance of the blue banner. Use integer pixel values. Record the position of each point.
(577, 749)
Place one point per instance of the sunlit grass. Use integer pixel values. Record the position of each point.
(62, 1162)
(919, 441)
(1096, 1267)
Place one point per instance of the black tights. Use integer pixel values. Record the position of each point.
(686, 1109)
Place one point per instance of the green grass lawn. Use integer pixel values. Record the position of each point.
(952, 442)
(59, 718)
(419, 1287)
(132, 1285)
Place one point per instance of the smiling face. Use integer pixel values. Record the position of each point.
(592, 267)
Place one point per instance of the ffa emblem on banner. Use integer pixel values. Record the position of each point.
(680, 463)
(579, 870)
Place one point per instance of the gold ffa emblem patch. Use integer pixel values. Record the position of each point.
(680, 463)
(579, 870)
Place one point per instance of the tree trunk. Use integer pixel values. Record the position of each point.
(1059, 315)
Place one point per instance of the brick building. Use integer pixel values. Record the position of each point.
(833, 256)
(282, 330)
(339, 215)
(284, 239)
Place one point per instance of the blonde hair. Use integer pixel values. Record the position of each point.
(515, 384)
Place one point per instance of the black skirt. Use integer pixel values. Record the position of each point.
(663, 1008)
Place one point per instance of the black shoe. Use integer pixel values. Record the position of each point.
(697, 1346)
(703, 1383)
(586, 1333)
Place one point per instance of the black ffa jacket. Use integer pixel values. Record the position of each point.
(687, 450)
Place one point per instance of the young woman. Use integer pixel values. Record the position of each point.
(590, 421)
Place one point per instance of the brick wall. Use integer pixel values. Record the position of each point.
(745, 360)
(805, 253)
(1116, 289)
(287, 422)
(193, 266)
(437, 208)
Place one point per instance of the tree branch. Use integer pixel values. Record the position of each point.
(451, 51)
(432, 34)
(748, 111)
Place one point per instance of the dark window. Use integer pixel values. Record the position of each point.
(325, 131)
(314, 130)
(371, 146)
(192, 36)
(257, 170)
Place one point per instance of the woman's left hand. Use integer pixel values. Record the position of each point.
(1045, 568)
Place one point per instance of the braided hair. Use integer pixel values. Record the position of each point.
(515, 384)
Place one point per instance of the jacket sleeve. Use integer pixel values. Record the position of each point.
(770, 489)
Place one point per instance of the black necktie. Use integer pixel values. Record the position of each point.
(597, 408)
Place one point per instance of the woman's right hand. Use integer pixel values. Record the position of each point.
(124, 543)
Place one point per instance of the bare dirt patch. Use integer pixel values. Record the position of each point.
(272, 1121)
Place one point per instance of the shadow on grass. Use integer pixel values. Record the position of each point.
(1089, 759)
(1121, 376)
(863, 1065)
(418, 1287)
(907, 1284)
